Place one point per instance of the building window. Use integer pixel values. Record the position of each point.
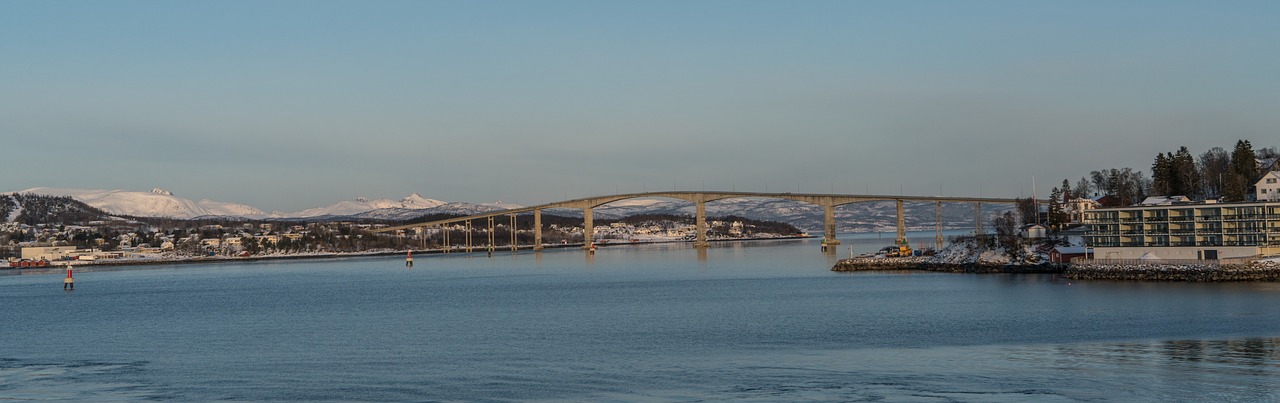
(1271, 180)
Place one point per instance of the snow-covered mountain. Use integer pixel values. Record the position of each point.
(156, 203)
(363, 205)
(163, 203)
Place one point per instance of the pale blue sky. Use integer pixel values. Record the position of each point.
(286, 105)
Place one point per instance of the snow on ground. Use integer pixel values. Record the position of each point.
(13, 215)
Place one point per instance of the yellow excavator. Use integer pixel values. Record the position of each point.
(904, 248)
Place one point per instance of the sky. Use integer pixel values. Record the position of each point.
(286, 105)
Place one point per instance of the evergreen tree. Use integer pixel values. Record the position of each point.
(1055, 209)
(1066, 191)
(1185, 174)
(1236, 186)
(1161, 180)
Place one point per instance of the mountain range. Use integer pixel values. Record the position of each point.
(869, 216)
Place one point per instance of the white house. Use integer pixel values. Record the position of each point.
(1077, 207)
(1268, 187)
(1032, 231)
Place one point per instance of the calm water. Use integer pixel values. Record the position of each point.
(763, 321)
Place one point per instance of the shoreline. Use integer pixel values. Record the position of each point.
(1257, 271)
(923, 264)
(60, 267)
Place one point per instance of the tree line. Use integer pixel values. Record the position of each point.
(1214, 174)
(1217, 174)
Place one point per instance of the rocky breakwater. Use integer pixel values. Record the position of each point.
(959, 257)
(886, 263)
(929, 264)
(1157, 271)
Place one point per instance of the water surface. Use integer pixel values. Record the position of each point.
(751, 321)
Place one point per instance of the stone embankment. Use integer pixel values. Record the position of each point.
(872, 264)
(927, 264)
(1197, 272)
(1186, 272)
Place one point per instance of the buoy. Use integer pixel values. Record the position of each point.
(592, 248)
(69, 283)
(408, 261)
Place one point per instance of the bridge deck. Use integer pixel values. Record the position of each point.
(700, 198)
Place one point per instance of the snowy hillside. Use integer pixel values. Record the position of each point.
(364, 205)
(156, 203)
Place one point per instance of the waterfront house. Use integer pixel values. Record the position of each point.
(1064, 254)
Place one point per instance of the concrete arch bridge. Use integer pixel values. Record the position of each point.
(700, 198)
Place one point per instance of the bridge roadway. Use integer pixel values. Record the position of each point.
(700, 198)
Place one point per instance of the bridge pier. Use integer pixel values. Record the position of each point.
(977, 218)
(512, 230)
(937, 226)
(700, 225)
(469, 248)
(902, 225)
(537, 229)
(829, 226)
(492, 242)
(588, 228)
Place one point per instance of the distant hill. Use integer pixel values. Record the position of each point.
(32, 209)
(156, 203)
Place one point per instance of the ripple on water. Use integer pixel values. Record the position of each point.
(75, 380)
